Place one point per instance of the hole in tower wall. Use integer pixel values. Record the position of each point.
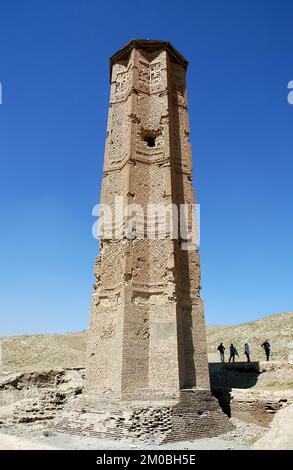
(150, 141)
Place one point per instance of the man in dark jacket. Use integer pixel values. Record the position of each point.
(221, 349)
(233, 353)
(267, 347)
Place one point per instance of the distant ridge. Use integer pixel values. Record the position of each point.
(25, 352)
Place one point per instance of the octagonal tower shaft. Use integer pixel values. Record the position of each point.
(147, 328)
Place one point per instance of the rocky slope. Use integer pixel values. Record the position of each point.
(280, 435)
(42, 351)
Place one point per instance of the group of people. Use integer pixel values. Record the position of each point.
(233, 351)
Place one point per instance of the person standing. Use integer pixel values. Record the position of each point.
(221, 349)
(233, 353)
(267, 347)
(247, 351)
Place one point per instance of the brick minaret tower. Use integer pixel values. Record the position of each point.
(147, 367)
(147, 328)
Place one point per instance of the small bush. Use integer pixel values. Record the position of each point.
(48, 433)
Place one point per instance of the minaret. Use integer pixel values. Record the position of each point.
(147, 330)
(147, 370)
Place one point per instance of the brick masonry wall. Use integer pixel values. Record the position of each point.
(147, 326)
(194, 415)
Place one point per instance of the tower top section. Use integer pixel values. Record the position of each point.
(149, 45)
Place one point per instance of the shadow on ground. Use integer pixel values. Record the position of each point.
(225, 376)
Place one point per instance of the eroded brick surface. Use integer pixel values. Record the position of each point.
(147, 328)
(147, 338)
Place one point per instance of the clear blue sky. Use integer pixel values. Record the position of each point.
(55, 76)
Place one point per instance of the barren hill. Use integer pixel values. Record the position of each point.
(26, 352)
(278, 329)
(42, 351)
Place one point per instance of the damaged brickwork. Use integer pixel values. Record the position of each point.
(147, 337)
(194, 415)
(147, 327)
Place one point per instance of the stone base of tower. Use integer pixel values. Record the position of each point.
(193, 415)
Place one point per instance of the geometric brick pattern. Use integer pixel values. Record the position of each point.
(147, 328)
(147, 338)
